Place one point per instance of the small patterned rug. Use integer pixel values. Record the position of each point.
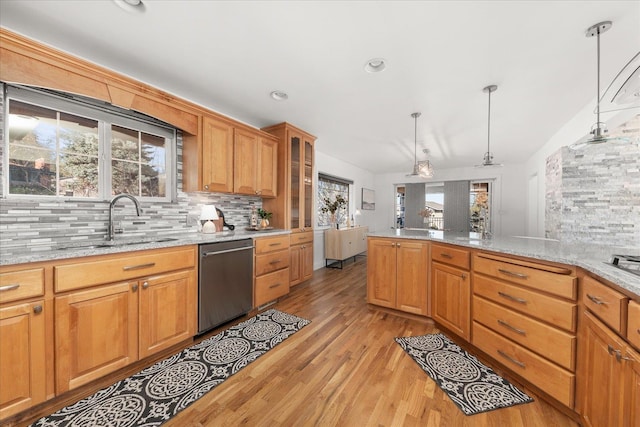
(155, 394)
(471, 385)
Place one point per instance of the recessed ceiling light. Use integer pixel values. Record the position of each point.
(375, 65)
(279, 95)
(131, 5)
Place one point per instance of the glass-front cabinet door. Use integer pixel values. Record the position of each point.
(295, 199)
(308, 184)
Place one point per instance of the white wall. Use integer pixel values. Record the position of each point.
(360, 177)
(509, 195)
(574, 130)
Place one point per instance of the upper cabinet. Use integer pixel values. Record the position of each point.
(293, 207)
(228, 158)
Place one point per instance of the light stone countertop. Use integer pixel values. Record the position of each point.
(124, 244)
(591, 257)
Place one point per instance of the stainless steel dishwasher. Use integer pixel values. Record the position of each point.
(225, 282)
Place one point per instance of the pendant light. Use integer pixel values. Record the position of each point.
(488, 157)
(599, 129)
(422, 169)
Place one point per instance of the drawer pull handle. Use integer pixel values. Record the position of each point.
(512, 298)
(9, 287)
(511, 359)
(513, 274)
(136, 267)
(596, 300)
(275, 261)
(275, 286)
(37, 309)
(447, 256)
(610, 349)
(620, 357)
(513, 328)
(275, 244)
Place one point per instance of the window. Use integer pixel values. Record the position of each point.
(329, 187)
(65, 148)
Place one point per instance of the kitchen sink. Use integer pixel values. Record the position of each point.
(116, 244)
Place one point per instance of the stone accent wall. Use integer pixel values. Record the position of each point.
(40, 223)
(596, 198)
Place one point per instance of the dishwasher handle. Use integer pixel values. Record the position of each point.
(206, 254)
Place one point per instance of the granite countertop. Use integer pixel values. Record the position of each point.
(591, 257)
(124, 244)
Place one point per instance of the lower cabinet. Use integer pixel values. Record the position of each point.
(397, 274)
(301, 261)
(451, 293)
(22, 357)
(610, 384)
(101, 330)
(271, 267)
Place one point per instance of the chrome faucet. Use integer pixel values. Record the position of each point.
(112, 204)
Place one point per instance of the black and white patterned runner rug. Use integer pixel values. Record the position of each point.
(471, 385)
(153, 395)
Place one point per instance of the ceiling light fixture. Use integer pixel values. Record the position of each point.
(487, 161)
(423, 169)
(375, 65)
(131, 5)
(597, 134)
(279, 95)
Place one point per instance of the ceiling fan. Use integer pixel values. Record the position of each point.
(422, 169)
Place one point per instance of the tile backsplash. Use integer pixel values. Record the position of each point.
(593, 194)
(39, 223)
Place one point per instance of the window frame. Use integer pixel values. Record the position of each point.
(106, 115)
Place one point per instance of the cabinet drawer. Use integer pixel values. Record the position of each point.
(269, 262)
(608, 304)
(557, 312)
(15, 285)
(114, 268)
(554, 380)
(633, 326)
(448, 255)
(271, 286)
(554, 280)
(299, 238)
(270, 244)
(545, 340)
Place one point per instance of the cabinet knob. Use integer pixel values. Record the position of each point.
(206, 187)
(145, 285)
(134, 287)
(37, 309)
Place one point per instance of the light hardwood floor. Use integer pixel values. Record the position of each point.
(343, 369)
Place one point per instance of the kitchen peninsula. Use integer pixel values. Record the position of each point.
(557, 316)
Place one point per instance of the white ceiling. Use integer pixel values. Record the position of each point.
(229, 55)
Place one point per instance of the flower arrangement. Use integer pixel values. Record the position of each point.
(333, 206)
(426, 212)
(264, 214)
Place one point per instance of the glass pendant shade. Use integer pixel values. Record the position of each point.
(423, 168)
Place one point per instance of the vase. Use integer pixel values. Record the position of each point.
(264, 223)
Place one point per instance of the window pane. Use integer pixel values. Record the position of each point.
(78, 141)
(124, 144)
(154, 166)
(125, 178)
(328, 191)
(31, 171)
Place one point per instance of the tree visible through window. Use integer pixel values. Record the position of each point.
(57, 153)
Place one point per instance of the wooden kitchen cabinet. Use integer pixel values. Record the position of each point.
(230, 158)
(22, 357)
(96, 333)
(610, 377)
(217, 156)
(451, 298)
(397, 274)
(301, 257)
(254, 164)
(271, 264)
(525, 317)
(144, 304)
